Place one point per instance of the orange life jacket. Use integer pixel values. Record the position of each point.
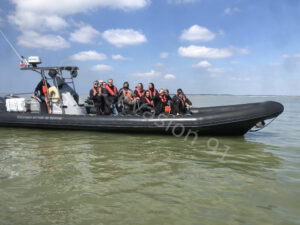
(124, 92)
(152, 94)
(45, 89)
(95, 90)
(149, 102)
(182, 99)
(167, 109)
(163, 99)
(140, 94)
(110, 91)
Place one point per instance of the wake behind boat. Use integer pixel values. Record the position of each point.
(60, 109)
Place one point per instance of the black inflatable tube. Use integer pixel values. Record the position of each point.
(221, 120)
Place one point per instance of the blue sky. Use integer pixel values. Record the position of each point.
(202, 46)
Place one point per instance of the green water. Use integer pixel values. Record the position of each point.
(72, 177)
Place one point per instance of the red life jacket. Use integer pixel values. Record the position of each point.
(110, 91)
(182, 99)
(152, 94)
(140, 94)
(45, 89)
(149, 102)
(163, 99)
(124, 92)
(95, 90)
(131, 98)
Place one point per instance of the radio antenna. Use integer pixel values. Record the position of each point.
(13, 48)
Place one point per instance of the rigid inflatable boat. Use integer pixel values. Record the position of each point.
(64, 112)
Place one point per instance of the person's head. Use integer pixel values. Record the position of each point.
(161, 91)
(129, 93)
(140, 86)
(179, 91)
(151, 85)
(96, 83)
(180, 94)
(147, 94)
(100, 82)
(103, 84)
(125, 84)
(110, 82)
(167, 91)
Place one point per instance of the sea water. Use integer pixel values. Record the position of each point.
(75, 177)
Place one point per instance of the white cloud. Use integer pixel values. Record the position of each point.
(88, 56)
(123, 37)
(32, 39)
(55, 22)
(197, 33)
(36, 21)
(240, 51)
(42, 15)
(67, 7)
(120, 57)
(164, 55)
(203, 52)
(170, 76)
(85, 34)
(152, 73)
(229, 11)
(286, 56)
(181, 1)
(217, 70)
(101, 68)
(202, 64)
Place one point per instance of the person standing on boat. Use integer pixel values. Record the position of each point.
(41, 90)
(139, 91)
(96, 96)
(111, 98)
(181, 104)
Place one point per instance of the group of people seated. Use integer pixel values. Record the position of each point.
(108, 100)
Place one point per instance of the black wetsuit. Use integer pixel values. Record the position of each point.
(136, 93)
(178, 104)
(152, 94)
(98, 100)
(160, 102)
(144, 104)
(40, 93)
(110, 99)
